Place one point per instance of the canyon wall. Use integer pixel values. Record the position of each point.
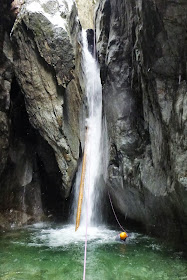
(40, 108)
(141, 48)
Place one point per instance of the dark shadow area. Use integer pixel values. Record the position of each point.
(20, 125)
(90, 39)
(54, 205)
(41, 193)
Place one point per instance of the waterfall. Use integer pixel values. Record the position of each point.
(93, 142)
(24, 207)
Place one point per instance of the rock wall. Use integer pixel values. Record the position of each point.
(40, 109)
(86, 13)
(143, 71)
(44, 65)
(5, 83)
(142, 52)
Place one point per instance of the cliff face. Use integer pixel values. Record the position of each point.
(40, 109)
(142, 51)
(5, 84)
(44, 62)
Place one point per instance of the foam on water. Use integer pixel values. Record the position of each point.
(51, 251)
(66, 235)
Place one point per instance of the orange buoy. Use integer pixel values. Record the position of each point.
(123, 235)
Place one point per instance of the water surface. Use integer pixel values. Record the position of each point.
(56, 252)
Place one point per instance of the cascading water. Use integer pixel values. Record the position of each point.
(51, 251)
(93, 137)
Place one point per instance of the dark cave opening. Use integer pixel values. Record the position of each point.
(55, 206)
(46, 174)
(20, 125)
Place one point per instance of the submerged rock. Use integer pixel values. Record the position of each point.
(142, 51)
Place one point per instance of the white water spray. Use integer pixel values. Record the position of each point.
(93, 151)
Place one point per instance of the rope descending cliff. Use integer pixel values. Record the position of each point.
(81, 191)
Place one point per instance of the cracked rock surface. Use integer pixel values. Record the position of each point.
(44, 61)
(40, 109)
(142, 52)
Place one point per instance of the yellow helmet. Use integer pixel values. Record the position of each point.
(123, 235)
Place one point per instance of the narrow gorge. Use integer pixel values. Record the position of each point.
(141, 155)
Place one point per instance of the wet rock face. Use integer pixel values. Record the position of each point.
(40, 106)
(142, 51)
(44, 61)
(6, 73)
(15, 7)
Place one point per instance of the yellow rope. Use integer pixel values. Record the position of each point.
(81, 191)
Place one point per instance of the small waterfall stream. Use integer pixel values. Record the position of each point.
(53, 251)
(92, 187)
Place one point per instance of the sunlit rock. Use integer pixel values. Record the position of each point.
(86, 13)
